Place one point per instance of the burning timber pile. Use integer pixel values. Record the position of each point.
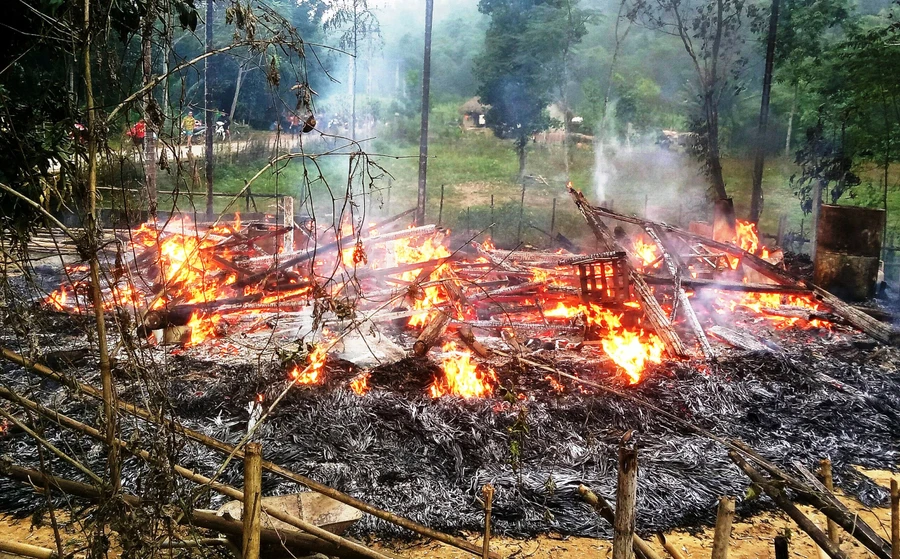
(407, 368)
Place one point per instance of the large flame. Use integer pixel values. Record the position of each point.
(648, 253)
(428, 298)
(461, 376)
(313, 372)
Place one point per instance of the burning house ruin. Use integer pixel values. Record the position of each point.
(408, 366)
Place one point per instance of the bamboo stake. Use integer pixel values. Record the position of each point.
(895, 519)
(781, 547)
(829, 484)
(623, 527)
(488, 493)
(669, 547)
(293, 540)
(607, 513)
(722, 536)
(252, 500)
(777, 495)
(189, 475)
(228, 449)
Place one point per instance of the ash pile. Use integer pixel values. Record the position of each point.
(408, 367)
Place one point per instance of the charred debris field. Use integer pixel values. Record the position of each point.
(408, 372)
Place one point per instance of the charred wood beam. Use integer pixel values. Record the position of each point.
(877, 330)
(431, 334)
(676, 269)
(699, 283)
(652, 310)
(741, 340)
(230, 450)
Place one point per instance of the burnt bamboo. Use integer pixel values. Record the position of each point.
(468, 337)
(676, 269)
(623, 525)
(722, 535)
(699, 283)
(487, 493)
(739, 339)
(606, 512)
(828, 481)
(252, 500)
(895, 519)
(652, 310)
(293, 540)
(780, 499)
(230, 450)
(669, 547)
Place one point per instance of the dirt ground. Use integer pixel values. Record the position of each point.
(751, 538)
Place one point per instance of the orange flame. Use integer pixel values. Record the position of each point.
(431, 296)
(360, 384)
(648, 253)
(461, 376)
(202, 328)
(312, 373)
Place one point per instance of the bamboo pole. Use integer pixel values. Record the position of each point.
(293, 540)
(27, 550)
(828, 480)
(895, 519)
(607, 513)
(488, 493)
(623, 527)
(252, 500)
(777, 495)
(722, 536)
(228, 449)
(669, 547)
(189, 475)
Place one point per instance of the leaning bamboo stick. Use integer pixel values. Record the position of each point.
(607, 513)
(200, 479)
(209, 520)
(228, 449)
(828, 480)
(777, 495)
(669, 547)
(27, 550)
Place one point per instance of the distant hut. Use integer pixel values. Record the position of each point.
(473, 114)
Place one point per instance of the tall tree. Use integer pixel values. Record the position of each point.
(426, 100)
(525, 40)
(756, 197)
(713, 34)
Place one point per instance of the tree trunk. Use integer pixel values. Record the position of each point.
(713, 161)
(521, 144)
(109, 415)
(818, 188)
(756, 199)
(207, 94)
(790, 126)
(150, 126)
(237, 91)
(426, 97)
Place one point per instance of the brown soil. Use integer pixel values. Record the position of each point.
(751, 537)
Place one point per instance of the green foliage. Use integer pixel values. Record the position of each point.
(525, 41)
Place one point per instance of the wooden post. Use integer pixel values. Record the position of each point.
(488, 493)
(829, 484)
(782, 229)
(895, 519)
(441, 207)
(553, 217)
(492, 218)
(722, 536)
(781, 547)
(521, 215)
(623, 527)
(252, 500)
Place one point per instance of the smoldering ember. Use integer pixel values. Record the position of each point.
(241, 316)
